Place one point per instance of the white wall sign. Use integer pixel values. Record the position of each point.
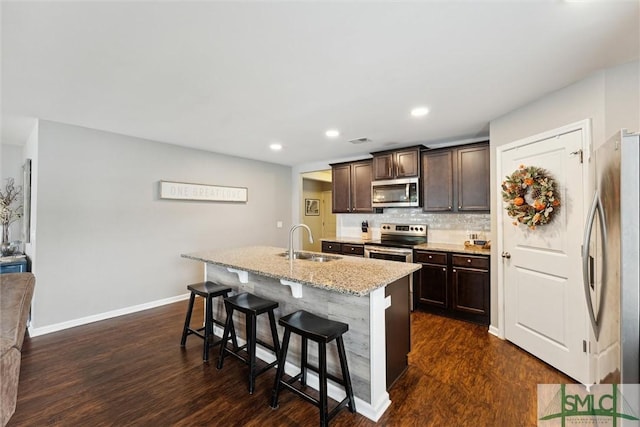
(186, 191)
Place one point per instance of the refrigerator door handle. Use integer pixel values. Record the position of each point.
(587, 261)
(592, 273)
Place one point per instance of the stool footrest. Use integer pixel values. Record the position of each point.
(197, 332)
(267, 345)
(244, 359)
(243, 347)
(300, 393)
(335, 410)
(333, 378)
(266, 367)
(218, 322)
(332, 413)
(293, 379)
(236, 353)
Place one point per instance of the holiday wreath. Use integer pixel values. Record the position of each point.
(531, 196)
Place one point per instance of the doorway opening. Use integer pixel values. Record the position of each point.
(316, 208)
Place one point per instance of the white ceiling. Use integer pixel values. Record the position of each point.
(233, 77)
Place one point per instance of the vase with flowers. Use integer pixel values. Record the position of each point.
(10, 211)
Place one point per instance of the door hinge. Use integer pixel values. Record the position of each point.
(579, 152)
(584, 346)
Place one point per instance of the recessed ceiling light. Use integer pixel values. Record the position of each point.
(332, 133)
(276, 147)
(419, 111)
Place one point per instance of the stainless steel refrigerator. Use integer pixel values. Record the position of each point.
(610, 260)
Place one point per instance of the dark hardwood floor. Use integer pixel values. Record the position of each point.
(131, 371)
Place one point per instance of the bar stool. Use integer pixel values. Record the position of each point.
(322, 331)
(208, 291)
(252, 306)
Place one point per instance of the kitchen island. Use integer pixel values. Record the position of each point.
(372, 296)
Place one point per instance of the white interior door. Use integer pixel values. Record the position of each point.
(545, 309)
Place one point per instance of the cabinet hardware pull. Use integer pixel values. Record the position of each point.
(449, 207)
(454, 270)
(444, 269)
(468, 260)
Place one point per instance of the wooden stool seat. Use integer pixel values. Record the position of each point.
(313, 327)
(207, 290)
(252, 306)
(322, 331)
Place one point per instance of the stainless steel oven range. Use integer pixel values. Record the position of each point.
(396, 244)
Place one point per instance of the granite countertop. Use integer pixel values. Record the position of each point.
(450, 247)
(446, 247)
(353, 240)
(348, 274)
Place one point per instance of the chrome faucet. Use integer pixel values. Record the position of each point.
(291, 238)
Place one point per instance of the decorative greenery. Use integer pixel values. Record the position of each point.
(531, 196)
(10, 206)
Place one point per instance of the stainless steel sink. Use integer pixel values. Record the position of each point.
(310, 256)
(297, 255)
(324, 258)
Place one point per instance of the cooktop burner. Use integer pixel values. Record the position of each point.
(401, 235)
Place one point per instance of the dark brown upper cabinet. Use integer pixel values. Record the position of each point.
(437, 177)
(351, 187)
(456, 179)
(403, 163)
(473, 178)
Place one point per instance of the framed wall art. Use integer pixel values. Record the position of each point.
(312, 207)
(202, 192)
(26, 203)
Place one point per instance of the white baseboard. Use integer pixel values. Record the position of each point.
(608, 361)
(494, 331)
(34, 332)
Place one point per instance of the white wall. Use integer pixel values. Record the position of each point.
(610, 98)
(622, 98)
(105, 241)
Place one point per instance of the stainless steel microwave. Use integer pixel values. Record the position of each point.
(395, 193)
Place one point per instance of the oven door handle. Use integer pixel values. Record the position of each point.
(389, 251)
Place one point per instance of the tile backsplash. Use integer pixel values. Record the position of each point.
(443, 227)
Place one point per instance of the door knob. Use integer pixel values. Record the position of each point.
(506, 255)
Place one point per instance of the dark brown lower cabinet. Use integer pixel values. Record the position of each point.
(352, 249)
(456, 285)
(432, 287)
